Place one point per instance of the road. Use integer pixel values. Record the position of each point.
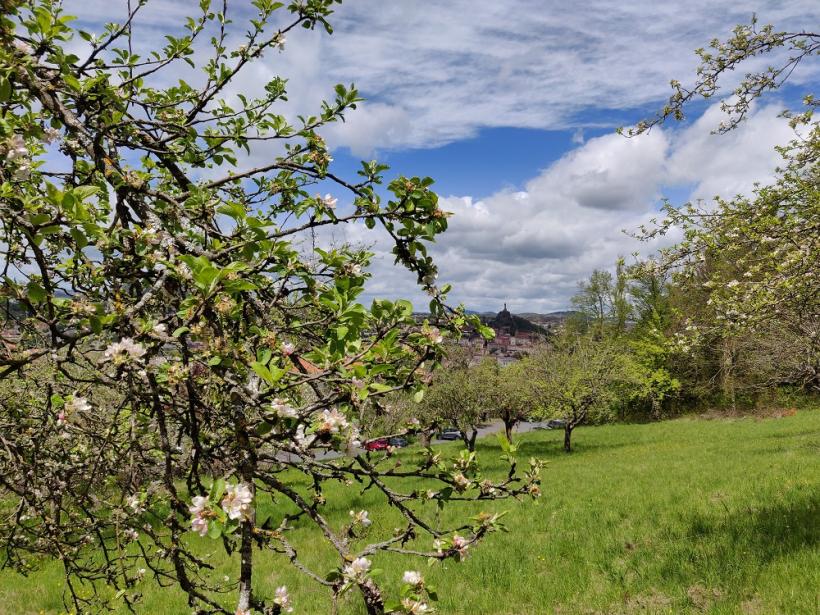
(484, 430)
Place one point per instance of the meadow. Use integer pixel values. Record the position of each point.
(682, 516)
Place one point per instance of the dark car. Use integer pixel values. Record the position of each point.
(450, 433)
(556, 424)
(380, 444)
(397, 441)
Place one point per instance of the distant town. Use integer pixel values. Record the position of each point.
(515, 334)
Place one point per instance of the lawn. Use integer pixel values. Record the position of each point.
(684, 516)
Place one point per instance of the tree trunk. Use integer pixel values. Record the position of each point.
(568, 438)
(469, 441)
(245, 569)
(372, 595)
(508, 427)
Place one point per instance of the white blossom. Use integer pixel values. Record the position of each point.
(199, 503)
(199, 525)
(283, 409)
(77, 404)
(22, 172)
(360, 518)
(288, 349)
(415, 607)
(329, 201)
(124, 351)
(135, 504)
(282, 599)
(237, 501)
(16, 148)
(50, 134)
(332, 421)
(357, 569)
(461, 481)
(460, 544)
(413, 577)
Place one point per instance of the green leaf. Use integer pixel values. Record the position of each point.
(36, 293)
(217, 490)
(263, 372)
(214, 529)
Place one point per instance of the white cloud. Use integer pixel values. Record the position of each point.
(436, 72)
(530, 248)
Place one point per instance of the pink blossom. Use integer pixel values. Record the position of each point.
(199, 525)
(237, 501)
(282, 598)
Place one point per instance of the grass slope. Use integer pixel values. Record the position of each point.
(685, 516)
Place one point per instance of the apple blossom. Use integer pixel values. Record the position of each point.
(283, 409)
(77, 404)
(413, 577)
(199, 525)
(415, 607)
(357, 569)
(237, 501)
(360, 518)
(282, 599)
(331, 421)
(124, 351)
(329, 201)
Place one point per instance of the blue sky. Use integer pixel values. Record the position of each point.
(511, 107)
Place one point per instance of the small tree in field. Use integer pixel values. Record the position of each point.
(457, 397)
(578, 381)
(505, 391)
(185, 349)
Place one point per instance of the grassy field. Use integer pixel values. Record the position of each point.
(684, 516)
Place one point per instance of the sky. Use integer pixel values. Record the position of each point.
(511, 107)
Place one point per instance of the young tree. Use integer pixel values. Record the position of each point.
(505, 392)
(184, 352)
(578, 380)
(604, 302)
(594, 300)
(456, 398)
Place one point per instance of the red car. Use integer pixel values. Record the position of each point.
(376, 445)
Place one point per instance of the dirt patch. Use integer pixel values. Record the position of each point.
(702, 597)
(752, 606)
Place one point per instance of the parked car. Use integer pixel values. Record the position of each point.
(450, 433)
(397, 441)
(556, 424)
(377, 445)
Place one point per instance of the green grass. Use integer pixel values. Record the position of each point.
(685, 516)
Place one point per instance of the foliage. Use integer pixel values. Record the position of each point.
(753, 262)
(578, 380)
(188, 347)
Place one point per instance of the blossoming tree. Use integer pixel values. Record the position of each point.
(755, 260)
(180, 352)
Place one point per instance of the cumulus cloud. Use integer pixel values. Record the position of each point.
(530, 248)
